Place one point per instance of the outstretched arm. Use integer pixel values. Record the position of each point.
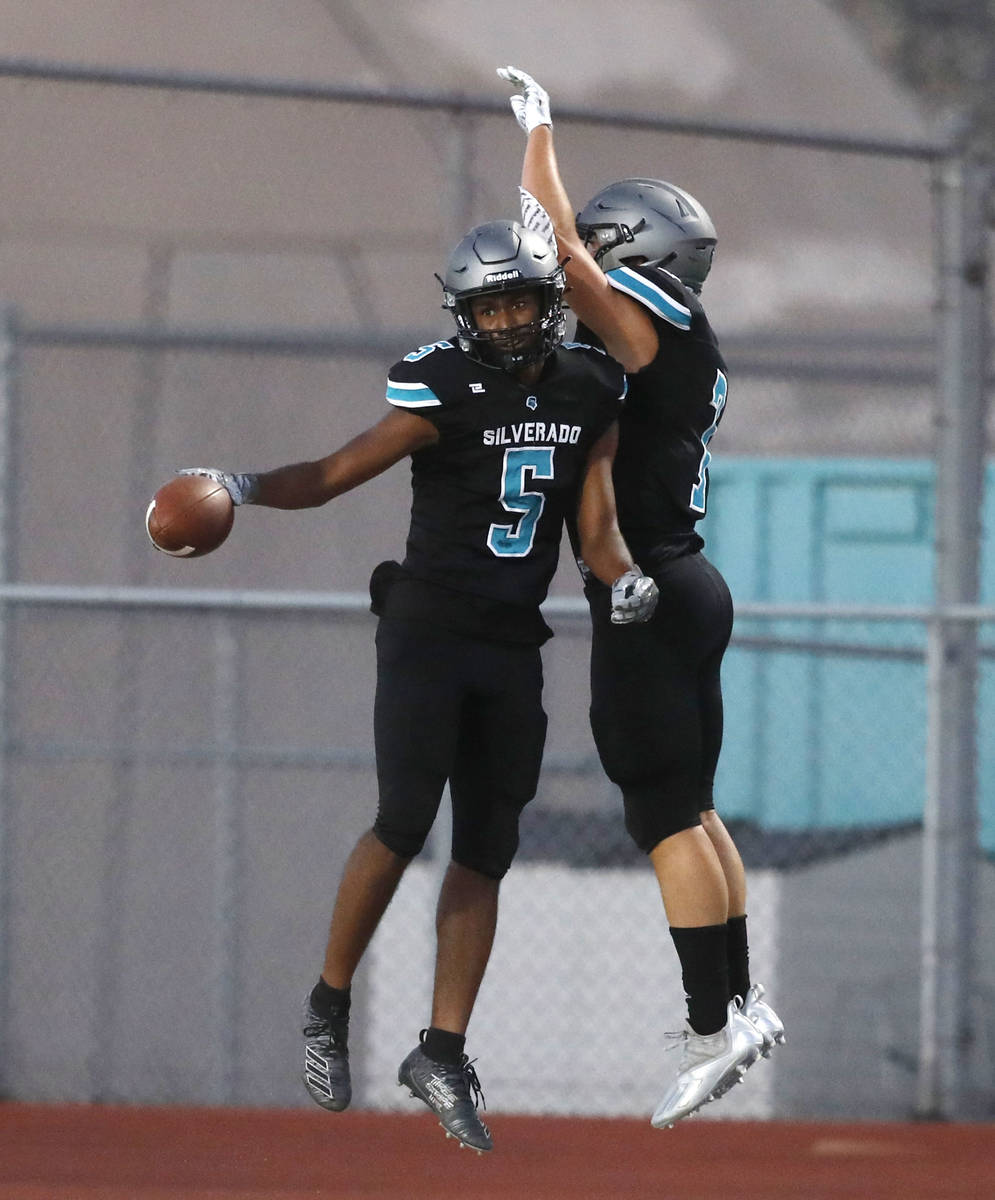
(310, 484)
(622, 324)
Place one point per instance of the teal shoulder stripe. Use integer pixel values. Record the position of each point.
(412, 395)
(624, 279)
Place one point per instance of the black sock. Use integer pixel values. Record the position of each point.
(739, 957)
(328, 1001)
(441, 1046)
(705, 971)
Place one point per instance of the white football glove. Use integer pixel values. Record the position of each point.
(532, 107)
(634, 598)
(241, 488)
(535, 217)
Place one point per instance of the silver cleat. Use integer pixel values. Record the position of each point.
(710, 1065)
(757, 1010)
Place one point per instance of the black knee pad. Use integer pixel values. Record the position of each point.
(490, 866)
(405, 843)
(489, 847)
(649, 817)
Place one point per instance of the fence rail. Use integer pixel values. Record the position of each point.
(358, 602)
(462, 103)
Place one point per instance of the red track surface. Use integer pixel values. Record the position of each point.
(97, 1153)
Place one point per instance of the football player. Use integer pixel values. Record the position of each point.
(509, 433)
(636, 257)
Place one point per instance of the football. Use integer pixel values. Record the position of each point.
(189, 516)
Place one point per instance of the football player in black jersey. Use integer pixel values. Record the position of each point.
(635, 259)
(509, 433)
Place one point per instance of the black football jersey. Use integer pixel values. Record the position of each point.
(490, 497)
(673, 407)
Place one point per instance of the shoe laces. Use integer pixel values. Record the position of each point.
(462, 1075)
(677, 1038)
(477, 1091)
(334, 1029)
(696, 1047)
(457, 1072)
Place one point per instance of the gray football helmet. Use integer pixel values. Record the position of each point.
(650, 219)
(504, 256)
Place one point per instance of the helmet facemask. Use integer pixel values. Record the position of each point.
(520, 345)
(606, 238)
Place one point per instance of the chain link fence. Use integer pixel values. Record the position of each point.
(183, 781)
(187, 749)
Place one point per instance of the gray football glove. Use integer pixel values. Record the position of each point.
(531, 108)
(634, 598)
(241, 488)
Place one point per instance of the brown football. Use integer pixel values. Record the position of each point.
(189, 516)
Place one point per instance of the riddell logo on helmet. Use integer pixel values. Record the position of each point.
(501, 276)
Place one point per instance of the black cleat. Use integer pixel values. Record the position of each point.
(326, 1059)
(446, 1089)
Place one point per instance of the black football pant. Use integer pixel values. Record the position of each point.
(656, 697)
(457, 708)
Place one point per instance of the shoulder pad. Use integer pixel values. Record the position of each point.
(425, 351)
(649, 285)
(410, 381)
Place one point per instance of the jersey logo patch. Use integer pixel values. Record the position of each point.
(477, 388)
(532, 403)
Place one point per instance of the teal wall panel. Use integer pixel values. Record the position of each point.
(818, 740)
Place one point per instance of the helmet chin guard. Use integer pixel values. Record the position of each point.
(499, 257)
(653, 221)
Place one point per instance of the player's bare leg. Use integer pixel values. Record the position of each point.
(465, 921)
(369, 880)
(732, 864)
(437, 1071)
(755, 1008)
(371, 875)
(718, 1042)
(691, 879)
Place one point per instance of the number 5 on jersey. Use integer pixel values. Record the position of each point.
(520, 466)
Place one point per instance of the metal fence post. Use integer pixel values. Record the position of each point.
(228, 853)
(8, 368)
(950, 821)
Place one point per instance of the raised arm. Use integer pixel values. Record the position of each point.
(310, 484)
(622, 324)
